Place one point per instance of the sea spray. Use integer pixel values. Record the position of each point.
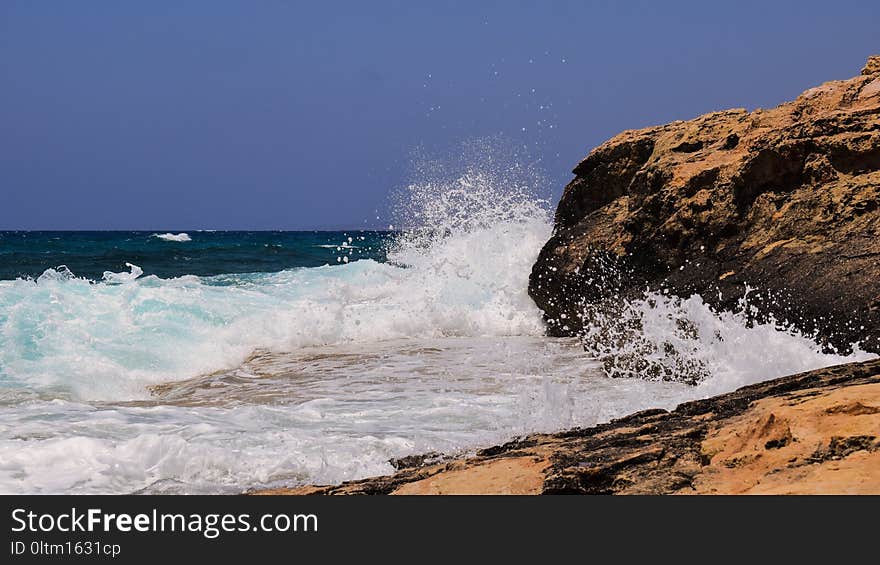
(120, 278)
(323, 374)
(459, 270)
(664, 337)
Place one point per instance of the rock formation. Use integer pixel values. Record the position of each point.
(785, 201)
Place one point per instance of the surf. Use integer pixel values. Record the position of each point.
(460, 271)
(326, 373)
(178, 237)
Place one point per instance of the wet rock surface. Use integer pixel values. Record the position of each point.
(785, 201)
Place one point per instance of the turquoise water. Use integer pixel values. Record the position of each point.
(192, 362)
(217, 361)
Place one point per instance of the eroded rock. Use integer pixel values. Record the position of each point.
(785, 200)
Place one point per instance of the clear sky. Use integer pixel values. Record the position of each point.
(287, 115)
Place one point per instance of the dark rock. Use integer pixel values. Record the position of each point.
(786, 201)
(416, 461)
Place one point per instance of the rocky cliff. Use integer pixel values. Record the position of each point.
(786, 201)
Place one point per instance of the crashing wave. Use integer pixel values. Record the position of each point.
(662, 337)
(459, 268)
(473, 236)
(119, 278)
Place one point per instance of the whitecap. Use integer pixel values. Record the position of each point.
(179, 237)
(123, 277)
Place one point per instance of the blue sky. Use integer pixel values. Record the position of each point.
(287, 115)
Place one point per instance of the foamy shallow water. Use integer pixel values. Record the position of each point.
(319, 375)
(321, 415)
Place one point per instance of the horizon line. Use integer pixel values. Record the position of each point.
(202, 230)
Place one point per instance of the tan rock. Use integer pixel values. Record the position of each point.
(872, 67)
(785, 200)
(513, 475)
(821, 443)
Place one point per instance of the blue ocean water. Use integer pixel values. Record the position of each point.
(88, 254)
(193, 362)
(221, 361)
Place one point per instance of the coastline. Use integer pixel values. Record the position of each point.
(784, 200)
(809, 433)
(660, 232)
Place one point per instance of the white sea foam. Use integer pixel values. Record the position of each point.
(180, 237)
(119, 278)
(323, 414)
(462, 273)
(661, 337)
(439, 349)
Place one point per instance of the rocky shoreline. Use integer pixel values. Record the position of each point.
(811, 433)
(785, 201)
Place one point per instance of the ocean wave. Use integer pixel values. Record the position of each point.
(179, 237)
(320, 375)
(119, 278)
(459, 269)
(446, 277)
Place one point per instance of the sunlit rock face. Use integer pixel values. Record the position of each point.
(783, 203)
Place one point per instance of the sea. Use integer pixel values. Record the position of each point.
(187, 361)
